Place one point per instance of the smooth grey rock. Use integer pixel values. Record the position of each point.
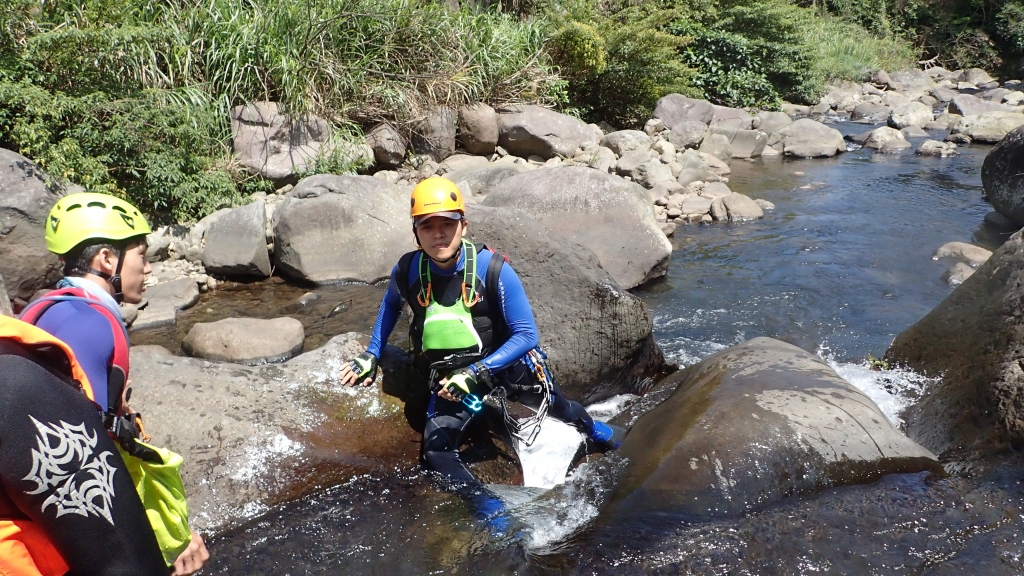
(716, 145)
(654, 126)
(887, 140)
(529, 129)
(739, 118)
(459, 162)
(236, 243)
(276, 145)
(999, 221)
(974, 76)
(434, 135)
(928, 101)
(956, 275)
(599, 158)
(895, 99)
(764, 204)
(478, 129)
(629, 162)
(772, 121)
(612, 217)
(970, 343)
(968, 105)
(943, 95)
(716, 190)
(995, 94)
(990, 127)
(968, 253)
(915, 80)
(693, 168)
(794, 110)
(716, 165)
(388, 144)
(870, 112)
(597, 336)
(624, 141)
(481, 180)
(912, 114)
(913, 132)
(695, 204)
(936, 148)
(807, 138)
(742, 143)
(673, 109)
(156, 315)
(26, 196)
(178, 294)
(245, 340)
(687, 134)
(342, 228)
(651, 173)
(694, 454)
(735, 208)
(1003, 178)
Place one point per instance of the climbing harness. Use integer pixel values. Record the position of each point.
(527, 429)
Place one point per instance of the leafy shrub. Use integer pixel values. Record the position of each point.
(579, 50)
(729, 69)
(1010, 25)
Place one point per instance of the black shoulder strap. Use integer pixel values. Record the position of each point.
(404, 263)
(51, 358)
(491, 278)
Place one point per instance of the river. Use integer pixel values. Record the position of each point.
(840, 268)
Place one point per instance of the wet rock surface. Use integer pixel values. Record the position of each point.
(245, 340)
(1002, 175)
(754, 424)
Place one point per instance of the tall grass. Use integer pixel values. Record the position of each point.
(845, 51)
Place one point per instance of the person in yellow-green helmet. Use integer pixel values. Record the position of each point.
(473, 334)
(102, 243)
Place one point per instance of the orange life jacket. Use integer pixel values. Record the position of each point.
(24, 548)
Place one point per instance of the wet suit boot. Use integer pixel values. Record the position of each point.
(606, 436)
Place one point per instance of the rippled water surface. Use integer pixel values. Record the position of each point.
(841, 267)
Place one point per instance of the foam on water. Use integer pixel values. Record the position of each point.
(892, 390)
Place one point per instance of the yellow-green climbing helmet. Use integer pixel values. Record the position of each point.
(89, 215)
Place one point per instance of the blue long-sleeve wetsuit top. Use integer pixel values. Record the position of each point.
(512, 304)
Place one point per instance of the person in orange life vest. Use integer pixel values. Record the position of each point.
(102, 242)
(67, 502)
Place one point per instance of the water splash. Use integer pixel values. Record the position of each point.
(892, 390)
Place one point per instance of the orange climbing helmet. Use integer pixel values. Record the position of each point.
(436, 196)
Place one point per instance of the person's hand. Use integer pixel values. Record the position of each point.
(359, 370)
(192, 559)
(455, 387)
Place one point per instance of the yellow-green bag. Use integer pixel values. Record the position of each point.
(163, 496)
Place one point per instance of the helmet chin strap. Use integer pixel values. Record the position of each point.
(448, 259)
(115, 280)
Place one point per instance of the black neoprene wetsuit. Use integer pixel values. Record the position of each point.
(60, 469)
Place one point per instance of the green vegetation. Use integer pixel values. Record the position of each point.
(133, 97)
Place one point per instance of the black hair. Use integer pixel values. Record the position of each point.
(78, 260)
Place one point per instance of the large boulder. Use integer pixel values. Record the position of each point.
(974, 76)
(743, 143)
(278, 146)
(597, 336)
(886, 140)
(341, 228)
(236, 243)
(968, 105)
(675, 108)
(533, 130)
(612, 217)
(26, 196)
(990, 127)
(179, 294)
(973, 343)
(1003, 178)
(245, 340)
(769, 122)
(688, 134)
(807, 138)
(479, 181)
(915, 81)
(623, 141)
(388, 144)
(434, 135)
(912, 114)
(735, 208)
(692, 168)
(733, 117)
(870, 112)
(252, 437)
(478, 129)
(751, 425)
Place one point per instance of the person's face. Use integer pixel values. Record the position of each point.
(440, 237)
(134, 272)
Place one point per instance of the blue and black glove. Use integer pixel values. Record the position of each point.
(464, 380)
(364, 365)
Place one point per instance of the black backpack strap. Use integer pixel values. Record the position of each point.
(491, 278)
(404, 263)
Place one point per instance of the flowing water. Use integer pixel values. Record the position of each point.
(841, 267)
